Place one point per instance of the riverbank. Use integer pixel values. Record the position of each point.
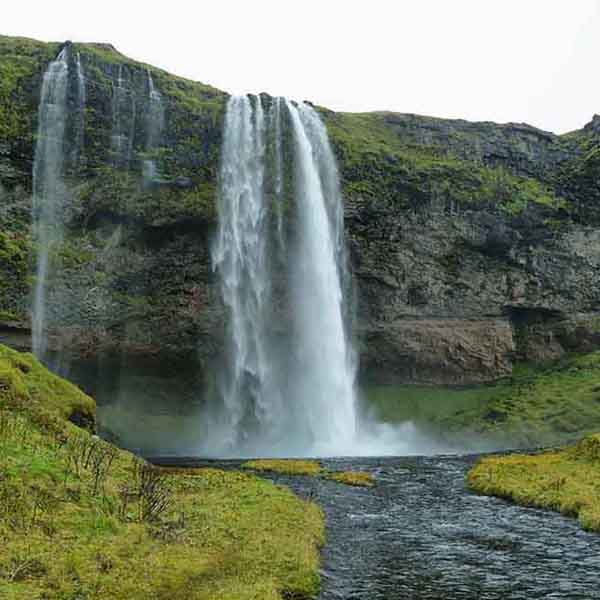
(82, 518)
(563, 480)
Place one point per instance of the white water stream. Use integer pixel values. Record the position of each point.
(288, 387)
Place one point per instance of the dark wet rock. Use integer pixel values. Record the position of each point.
(454, 230)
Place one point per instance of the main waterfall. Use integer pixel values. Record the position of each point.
(288, 386)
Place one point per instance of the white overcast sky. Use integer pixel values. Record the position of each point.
(534, 61)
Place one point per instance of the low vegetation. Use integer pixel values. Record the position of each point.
(355, 478)
(80, 518)
(310, 468)
(566, 480)
(285, 466)
(378, 163)
(536, 406)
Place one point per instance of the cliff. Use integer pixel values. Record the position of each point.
(472, 244)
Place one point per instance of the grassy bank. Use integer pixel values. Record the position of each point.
(538, 406)
(566, 480)
(80, 518)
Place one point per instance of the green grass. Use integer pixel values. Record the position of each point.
(285, 466)
(424, 404)
(536, 406)
(69, 530)
(567, 481)
(309, 468)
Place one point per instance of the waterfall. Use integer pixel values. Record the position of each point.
(81, 100)
(250, 393)
(155, 117)
(123, 121)
(48, 188)
(278, 179)
(287, 389)
(324, 373)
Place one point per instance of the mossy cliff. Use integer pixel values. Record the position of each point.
(472, 244)
(80, 518)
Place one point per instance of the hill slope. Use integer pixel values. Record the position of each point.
(81, 518)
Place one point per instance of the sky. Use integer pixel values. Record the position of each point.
(532, 61)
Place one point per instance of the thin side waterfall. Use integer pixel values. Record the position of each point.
(81, 100)
(288, 388)
(155, 118)
(48, 188)
(123, 121)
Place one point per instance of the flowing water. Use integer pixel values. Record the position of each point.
(155, 120)
(419, 534)
(123, 120)
(286, 391)
(61, 120)
(49, 191)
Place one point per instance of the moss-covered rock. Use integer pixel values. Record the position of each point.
(452, 227)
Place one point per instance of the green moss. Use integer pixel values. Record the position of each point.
(29, 388)
(565, 480)
(14, 272)
(63, 534)
(376, 163)
(20, 62)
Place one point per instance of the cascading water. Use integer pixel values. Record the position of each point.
(48, 188)
(155, 117)
(61, 120)
(81, 99)
(291, 391)
(324, 377)
(123, 121)
(278, 178)
(251, 394)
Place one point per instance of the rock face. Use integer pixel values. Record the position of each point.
(472, 244)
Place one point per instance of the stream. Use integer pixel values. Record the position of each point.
(420, 534)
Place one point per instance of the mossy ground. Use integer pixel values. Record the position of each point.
(309, 468)
(566, 480)
(355, 478)
(538, 406)
(285, 466)
(74, 522)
